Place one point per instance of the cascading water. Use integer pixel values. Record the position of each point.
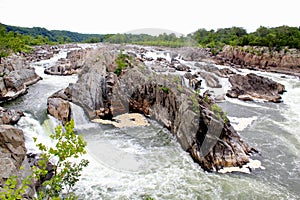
(132, 163)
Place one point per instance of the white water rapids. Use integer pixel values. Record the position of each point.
(132, 163)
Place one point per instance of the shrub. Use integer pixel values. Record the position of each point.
(122, 62)
(195, 103)
(217, 110)
(165, 89)
(66, 173)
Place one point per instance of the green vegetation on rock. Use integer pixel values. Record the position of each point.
(122, 62)
(217, 110)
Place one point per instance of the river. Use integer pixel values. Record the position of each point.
(133, 163)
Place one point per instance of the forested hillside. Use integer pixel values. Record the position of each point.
(56, 35)
(17, 39)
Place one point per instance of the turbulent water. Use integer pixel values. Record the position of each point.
(133, 163)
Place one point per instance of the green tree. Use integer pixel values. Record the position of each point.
(68, 147)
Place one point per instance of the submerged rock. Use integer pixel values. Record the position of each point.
(252, 87)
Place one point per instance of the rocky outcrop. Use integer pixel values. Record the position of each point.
(41, 53)
(13, 151)
(224, 72)
(15, 77)
(286, 61)
(72, 64)
(13, 156)
(210, 80)
(9, 116)
(191, 54)
(202, 131)
(252, 87)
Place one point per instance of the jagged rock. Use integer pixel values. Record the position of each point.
(209, 138)
(210, 80)
(191, 54)
(261, 58)
(13, 156)
(16, 76)
(225, 72)
(72, 64)
(252, 87)
(9, 116)
(13, 151)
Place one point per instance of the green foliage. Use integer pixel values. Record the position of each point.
(56, 36)
(195, 103)
(179, 88)
(12, 190)
(219, 112)
(147, 197)
(278, 37)
(176, 79)
(165, 89)
(67, 171)
(206, 99)
(122, 62)
(169, 40)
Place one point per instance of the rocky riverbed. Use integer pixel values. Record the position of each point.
(178, 89)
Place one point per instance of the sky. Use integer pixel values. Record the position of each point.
(119, 16)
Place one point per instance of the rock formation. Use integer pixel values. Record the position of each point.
(202, 131)
(286, 61)
(72, 64)
(12, 150)
(15, 77)
(252, 86)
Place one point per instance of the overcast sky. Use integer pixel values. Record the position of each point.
(119, 16)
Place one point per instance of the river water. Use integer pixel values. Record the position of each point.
(133, 163)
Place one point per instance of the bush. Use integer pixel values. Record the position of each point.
(122, 62)
(219, 112)
(66, 175)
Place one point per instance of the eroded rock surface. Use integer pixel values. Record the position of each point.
(286, 61)
(252, 87)
(15, 78)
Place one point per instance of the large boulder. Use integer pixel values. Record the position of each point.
(252, 87)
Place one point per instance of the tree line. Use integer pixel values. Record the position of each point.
(18, 39)
(278, 37)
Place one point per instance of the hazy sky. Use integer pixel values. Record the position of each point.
(118, 16)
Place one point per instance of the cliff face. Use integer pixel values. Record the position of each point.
(203, 132)
(286, 61)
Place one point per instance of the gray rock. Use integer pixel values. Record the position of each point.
(252, 86)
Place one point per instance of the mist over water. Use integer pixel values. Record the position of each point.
(132, 163)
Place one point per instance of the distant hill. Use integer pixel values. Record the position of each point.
(153, 32)
(57, 35)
